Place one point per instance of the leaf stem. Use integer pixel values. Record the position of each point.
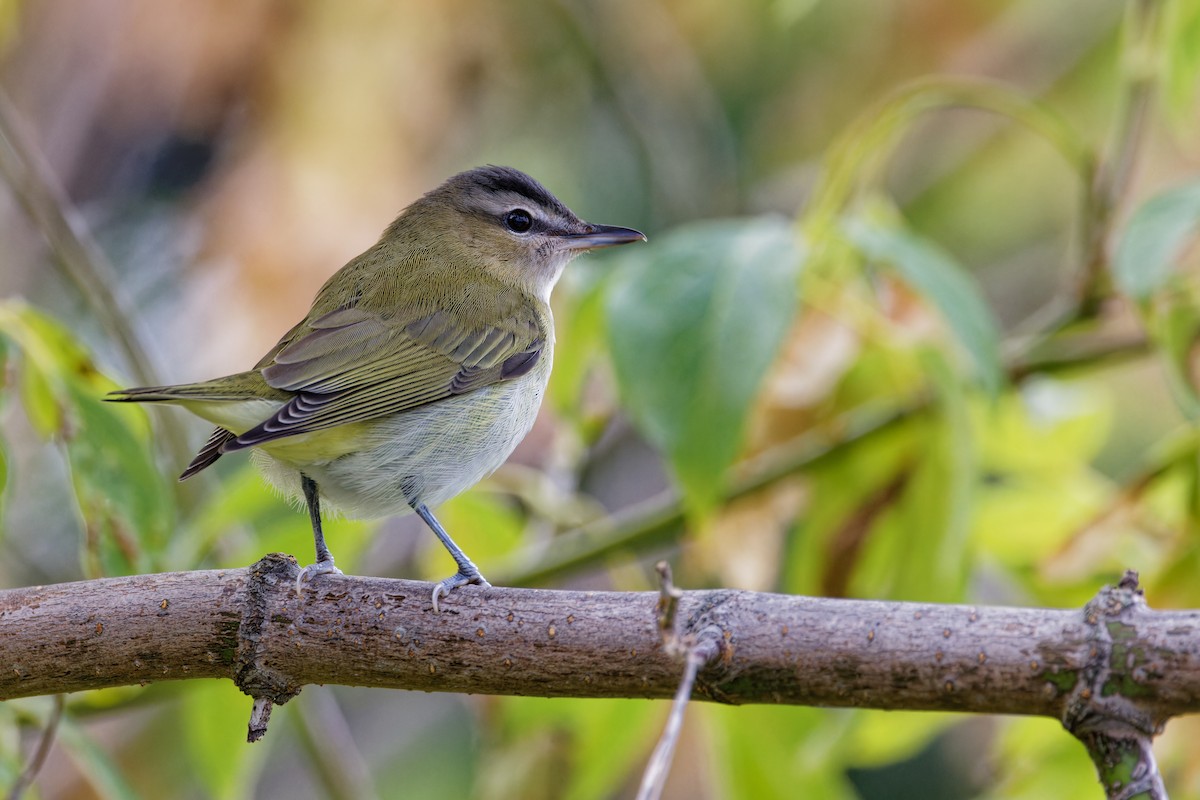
(1112, 176)
(871, 137)
(45, 741)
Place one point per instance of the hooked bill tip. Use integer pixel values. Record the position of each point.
(602, 236)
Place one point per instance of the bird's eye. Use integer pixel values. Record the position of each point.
(518, 220)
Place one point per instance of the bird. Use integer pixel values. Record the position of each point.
(419, 367)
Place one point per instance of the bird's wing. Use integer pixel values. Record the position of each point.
(352, 365)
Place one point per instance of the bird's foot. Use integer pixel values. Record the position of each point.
(324, 567)
(461, 578)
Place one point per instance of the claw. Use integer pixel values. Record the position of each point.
(306, 575)
(456, 580)
(467, 571)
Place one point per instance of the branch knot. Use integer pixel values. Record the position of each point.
(1100, 712)
(266, 685)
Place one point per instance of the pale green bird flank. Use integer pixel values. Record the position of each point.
(420, 366)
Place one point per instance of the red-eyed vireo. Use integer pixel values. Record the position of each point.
(419, 367)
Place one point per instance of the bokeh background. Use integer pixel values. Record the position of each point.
(229, 155)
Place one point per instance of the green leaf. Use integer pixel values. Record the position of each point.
(1153, 238)
(122, 494)
(123, 497)
(1182, 53)
(1175, 328)
(933, 273)
(37, 398)
(772, 751)
(1035, 760)
(839, 486)
(1038, 445)
(880, 738)
(213, 728)
(694, 322)
(917, 547)
(935, 512)
(580, 341)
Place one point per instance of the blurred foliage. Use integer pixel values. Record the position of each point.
(124, 504)
(917, 320)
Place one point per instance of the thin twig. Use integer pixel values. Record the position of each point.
(27, 776)
(260, 718)
(697, 650)
(659, 766)
(668, 604)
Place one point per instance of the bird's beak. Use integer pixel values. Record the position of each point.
(597, 236)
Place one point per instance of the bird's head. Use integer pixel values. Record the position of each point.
(505, 222)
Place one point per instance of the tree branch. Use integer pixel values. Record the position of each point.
(1100, 713)
(1116, 668)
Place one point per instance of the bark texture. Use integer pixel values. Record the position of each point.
(249, 625)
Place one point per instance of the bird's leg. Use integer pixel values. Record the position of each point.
(324, 564)
(467, 572)
(312, 499)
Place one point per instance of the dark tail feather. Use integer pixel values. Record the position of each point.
(209, 453)
(229, 388)
(142, 394)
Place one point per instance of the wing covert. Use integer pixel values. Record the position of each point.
(352, 365)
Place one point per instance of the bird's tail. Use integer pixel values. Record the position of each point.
(149, 394)
(231, 402)
(229, 389)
